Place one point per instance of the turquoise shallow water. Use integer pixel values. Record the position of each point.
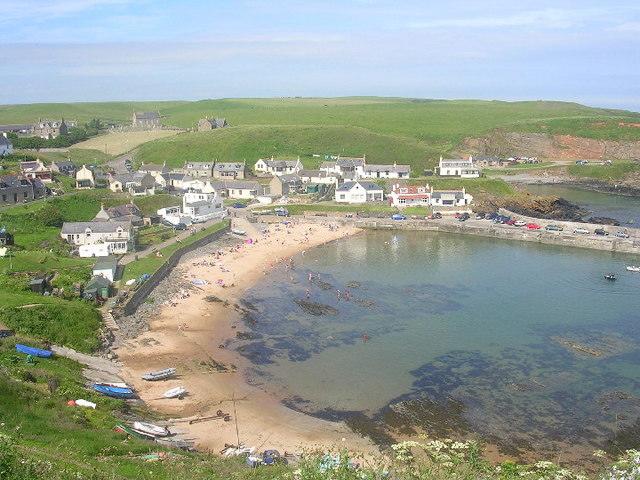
(524, 345)
(619, 207)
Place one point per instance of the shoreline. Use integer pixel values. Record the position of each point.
(187, 330)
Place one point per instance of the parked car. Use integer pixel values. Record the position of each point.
(491, 216)
(457, 215)
(479, 216)
(519, 223)
(434, 216)
(533, 226)
(239, 205)
(281, 212)
(581, 231)
(553, 228)
(601, 231)
(398, 216)
(180, 226)
(511, 222)
(464, 217)
(621, 234)
(501, 219)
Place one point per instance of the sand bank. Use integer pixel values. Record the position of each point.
(186, 333)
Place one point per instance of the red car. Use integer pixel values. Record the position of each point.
(533, 226)
(510, 222)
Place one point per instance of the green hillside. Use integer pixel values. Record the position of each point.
(253, 142)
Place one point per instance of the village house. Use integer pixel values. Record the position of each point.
(156, 171)
(85, 178)
(284, 185)
(6, 238)
(318, 176)
(201, 207)
(386, 171)
(128, 212)
(206, 124)
(23, 128)
(137, 184)
(229, 170)
(349, 168)
(6, 147)
(98, 287)
(106, 267)
(238, 189)
(36, 169)
(278, 167)
(359, 192)
(64, 167)
(409, 196)
(197, 169)
(463, 168)
(99, 239)
(19, 189)
(49, 129)
(146, 120)
(450, 198)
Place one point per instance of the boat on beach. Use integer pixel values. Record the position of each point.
(177, 392)
(610, 276)
(115, 392)
(238, 231)
(113, 384)
(33, 351)
(633, 268)
(130, 431)
(159, 375)
(150, 429)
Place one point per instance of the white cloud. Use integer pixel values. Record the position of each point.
(36, 9)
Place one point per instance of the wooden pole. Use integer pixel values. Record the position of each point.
(235, 416)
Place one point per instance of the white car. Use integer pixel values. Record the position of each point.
(519, 223)
(581, 231)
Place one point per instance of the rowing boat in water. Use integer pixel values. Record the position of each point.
(177, 392)
(33, 351)
(150, 429)
(116, 392)
(633, 268)
(159, 375)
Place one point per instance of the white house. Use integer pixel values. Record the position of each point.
(106, 268)
(6, 147)
(36, 169)
(385, 171)
(198, 169)
(85, 178)
(173, 215)
(347, 167)
(464, 168)
(136, 184)
(99, 239)
(359, 192)
(278, 167)
(450, 198)
(201, 207)
(318, 176)
(239, 189)
(410, 196)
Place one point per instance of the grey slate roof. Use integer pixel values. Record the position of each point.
(135, 177)
(350, 162)
(146, 115)
(289, 178)
(71, 228)
(458, 194)
(97, 281)
(239, 184)
(228, 167)
(106, 263)
(369, 186)
(387, 168)
(281, 163)
(9, 181)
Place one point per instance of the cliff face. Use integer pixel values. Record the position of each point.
(543, 145)
(552, 208)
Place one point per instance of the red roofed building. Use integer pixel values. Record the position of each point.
(410, 196)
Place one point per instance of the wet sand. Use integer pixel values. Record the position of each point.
(187, 332)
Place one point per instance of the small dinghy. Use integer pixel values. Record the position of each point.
(115, 392)
(33, 351)
(633, 268)
(150, 429)
(610, 276)
(237, 231)
(177, 392)
(159, 375)
(113, 384)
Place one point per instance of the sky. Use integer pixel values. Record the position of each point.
(96, 50)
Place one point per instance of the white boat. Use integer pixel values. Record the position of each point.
(150, 429)
(113, 384)
(159, 375)
(237, 231)
(176, 392)
(633, 268)
(85, 403)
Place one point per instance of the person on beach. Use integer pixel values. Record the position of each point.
(308, 293)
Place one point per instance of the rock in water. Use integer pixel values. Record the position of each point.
(317, 309)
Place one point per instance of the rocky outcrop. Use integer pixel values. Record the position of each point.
(548, 207)
(542, 145)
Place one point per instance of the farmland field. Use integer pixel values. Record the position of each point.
(117, 143)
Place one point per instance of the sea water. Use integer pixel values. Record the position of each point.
(526, 346)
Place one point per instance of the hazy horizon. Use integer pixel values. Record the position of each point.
(124, 50)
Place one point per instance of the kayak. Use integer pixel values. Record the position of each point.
(159, 375)
(116, 392)
(177, 392)
(34, 352)
(150, 429)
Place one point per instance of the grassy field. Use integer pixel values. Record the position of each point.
(474, 186)
(617, 171)
(117, 143)
(600, 127)
(151, 263)
(253, 142)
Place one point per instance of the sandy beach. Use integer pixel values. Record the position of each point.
(187, 332)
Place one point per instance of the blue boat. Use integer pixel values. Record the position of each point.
(117, 392)
(34, 352)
